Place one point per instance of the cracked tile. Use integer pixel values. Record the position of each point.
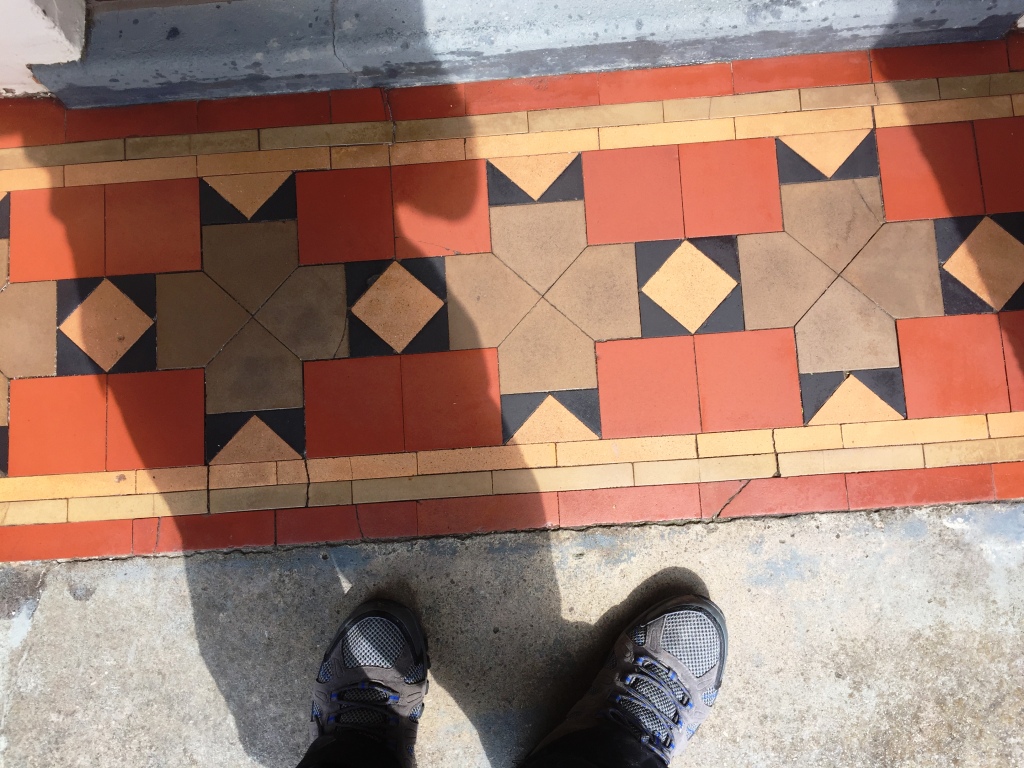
(830, 219)
(308, 313)
(195, 318)
(250, 261)
(254, 372)
(781, 280)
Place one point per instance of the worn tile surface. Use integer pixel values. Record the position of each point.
(781, 280)
(538, 242)
(545, 352)
(830, 219)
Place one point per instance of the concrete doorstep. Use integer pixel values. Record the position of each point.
(856, 639)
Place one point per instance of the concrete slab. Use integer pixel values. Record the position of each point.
(855, 639)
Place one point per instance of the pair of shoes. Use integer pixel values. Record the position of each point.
(658, 685)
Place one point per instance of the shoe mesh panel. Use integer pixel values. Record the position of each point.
(639, 634)
(415, 674)
(325, 672)
(372, 642)
(316, 710)
(710, 696)
(365, 695)
(645, 715)
(416, 713)
(657, 696)
(692, 638)
(361, 716)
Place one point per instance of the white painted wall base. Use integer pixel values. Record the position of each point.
(37, 32)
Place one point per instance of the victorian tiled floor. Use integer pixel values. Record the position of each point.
(710, 291)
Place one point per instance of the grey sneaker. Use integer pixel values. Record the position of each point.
(373, 678)
(661, 679)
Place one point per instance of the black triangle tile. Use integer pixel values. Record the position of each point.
(430, 272)
(887, 383)
(721, 250)
(728, 316)
(280, 206)
(584, 404)
(862, 162)
(656, 323)
(951, 233)
(141, 289)
(5, 216)
(141, 356)
(516, 409)
(5, 451)
(72, 361)
(501, 190)
(71, 294)
(214, 209)
(650, 256)
(958, 299)
(568, 186)
(220, 428)
(1012, 223)
(289, 424)
(433, 337)
(1015, 302)
(360, 275)
(362, 342)
(816, 389)
(793, 169)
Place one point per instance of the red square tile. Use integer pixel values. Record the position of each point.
(155, 419)
(748, 380)
(30, 122)
(104, 538)
(952, 365)
(345, 215)
(807, 71)
(388, 520)
(360, 105)
(714, 496)
(1001, 155)
(912, 487)
(1015, 49)
(632, 195)
(441, 209)
(531, 93)
(317, 525)
(56, 234)
(427, 101)
(144, 535)
(929, 171)
(222, 531)
(265, 111)
(1011, 325)
(647, 387)
(730, 188)
(956, 60)
(354, 406)
(788, 496)
(153, 226)
(484, 514)
(632, 85)
(1009, 480)
(141, 120)
(58, 426)
(451, 399)
(628, 505)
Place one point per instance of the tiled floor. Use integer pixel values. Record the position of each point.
(429, 324)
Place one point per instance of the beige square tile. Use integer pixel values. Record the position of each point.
(483, 459)
(937, 430)
(28, 317)
(596, 117)
(397, 306)
(195, 319)
(445, 486)
(792, 439)
(539, 242)
(990, 262)
(598, 292)
(753, 441)
(251, 261)
(625, 450)
(781, 280)
(658, 134)
(689, 286)
(130, 170)
(307, 313)
(268, 497)
(548, 479)
(830, 219)
(769, 103)
(106, 325)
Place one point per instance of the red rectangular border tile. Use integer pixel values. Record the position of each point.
(531, 93)
(807, 71)
(487, 514)
(1015, 50)
(910, 487)
(31, 122)
(144, 535)
(667, 83)
(142, 120)
(224, 531)
(789, 496)
(361, 105)
(428, 101)
(388, 520)
(950, 60)
(654, 503)
(288, 109)
(57, 541)
(1009, 480)
(316, 525)
(714, 496)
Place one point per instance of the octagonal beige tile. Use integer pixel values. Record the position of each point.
(598, 292)
(250, 261)
(486, 300)
(831, 219)
(254, 372)
(307, 313)
(781, 280)
(539, 241)
(546, 352)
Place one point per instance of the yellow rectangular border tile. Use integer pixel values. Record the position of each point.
(744, 104)
(169, 480)
(110, 508)
(488, 458)
(62, 154)
(690, 132)
(798, 123)
(180, 503)
(637, 113)
(947, 111)
(126, 171)
(906, 91)
(483, 147)
(147, 147)
(306, 159)
(666, 472)
(383, 465)
(243, 475)
(365, 156)
(547, 479)
(1018, 110)
(267, 497)
(627, 450)
(440, 151)
(754, 441)
(838, 96)
(31, 178)
(844, 460)
(501, 124)
(225, 141)
(1006, 424)
(1006, 83)
(737, 467)
(67, 486)
(335, 134)
(292, 472)
(328, 470)
(991, 451)
(422, 487)
(330, 494)
(817, 438)
(971, 87)
(937, 430)
(677, 110)
(34, 512)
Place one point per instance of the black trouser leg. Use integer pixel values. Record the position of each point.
(349, 749)
(600, 747)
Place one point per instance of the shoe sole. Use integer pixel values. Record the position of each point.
(702, 604)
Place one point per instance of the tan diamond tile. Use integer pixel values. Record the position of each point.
(248, 191)
(194, 319)
(551, 423)
(546, 352)
(28, 329)
(831, 219)
(539, 241)
(308, 312)
(486, 300)
(990, 262)
(397, 306)
(598, 292)
(689, 286)
(250, 261)
(106, 325)
(534, 174)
